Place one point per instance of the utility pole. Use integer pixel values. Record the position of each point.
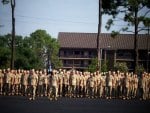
(148, 49)
(136, 54)
(13, 4)
(98, 36)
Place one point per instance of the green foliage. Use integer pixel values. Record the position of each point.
(128, 8)
(4, 51)
(114, 34)
(104, 67)
(30, 52)
(4, 57)
(5, 1)
(134, 13)
(110, 6)
(93, 66)
(45, 47)
(139, 69)
(109, 24)
(146, 22)
(121, 66)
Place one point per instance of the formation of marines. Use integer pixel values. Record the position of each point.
(74, 84)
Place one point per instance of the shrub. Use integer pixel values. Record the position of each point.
(121, 66)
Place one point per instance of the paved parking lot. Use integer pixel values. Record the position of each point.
(18, 104)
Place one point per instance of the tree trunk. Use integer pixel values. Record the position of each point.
(98, 36)
(136, 41)
(13, 34)
(147, 63)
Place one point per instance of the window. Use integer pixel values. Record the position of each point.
(64, 61)
(89, 62)
(90, 53)
(70, 52)
(82, 52)
(64, 52)
(69, 62)
(77, 62)
(76, 52)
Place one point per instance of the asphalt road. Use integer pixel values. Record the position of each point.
(18, 104)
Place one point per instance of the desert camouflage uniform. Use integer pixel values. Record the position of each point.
(1, 81)
(40, 84)
(91, 84)
(114, 85)
(72, 84)
(127, 86)
(81, 85)
(109, 84)
(65, 83)
(60, 83)
(135, 85)
(33, 84)
(77, 91)
(53, 91)
(25, 82)
(8, 81)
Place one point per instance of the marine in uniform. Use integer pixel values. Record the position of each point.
(72, 84)
(25, 82)
(65, 82)
(77, 83)
(8, 79)
(45, 82)
(19, 75)
(135, 85)
(127, 86)
(40, 83)
(109, 85)
(33, 84)
(60, 82)
(91, 84)
(81, 85)
(96, 74)
(122, 86)
(13, 81)
(114, 85)
(1, 81)
(85, 90)
(53, 91)
(102, 86)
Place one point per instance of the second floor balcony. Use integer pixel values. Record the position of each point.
(76, 56)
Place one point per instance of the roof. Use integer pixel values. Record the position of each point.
(88, 40)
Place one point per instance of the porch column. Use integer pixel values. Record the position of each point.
(115, 56)
(105, 56)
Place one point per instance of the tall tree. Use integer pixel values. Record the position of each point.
(99, 59)
(147, 24)
(46, 48)
(134, 15)
(13, 4)
(31, 52)
(5, 45)
(105, 6)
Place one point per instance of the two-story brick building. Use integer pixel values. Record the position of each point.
(78, 49)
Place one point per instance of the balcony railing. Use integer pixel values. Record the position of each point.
(77, 56)
(124, 57)
(75, 65)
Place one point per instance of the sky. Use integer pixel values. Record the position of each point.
(54, 16)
